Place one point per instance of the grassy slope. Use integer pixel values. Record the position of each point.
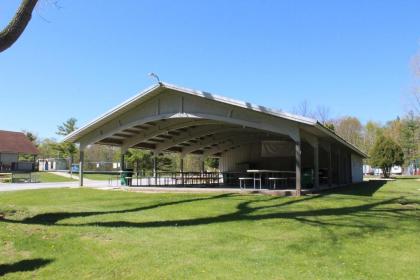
(46, 177)
(106, 235)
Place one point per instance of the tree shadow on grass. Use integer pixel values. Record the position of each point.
(361, 189)
(23, 266)
(346, 216)
(54, 217)
(246, 213)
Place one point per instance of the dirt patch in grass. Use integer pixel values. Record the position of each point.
(11, 212)
(8, 251)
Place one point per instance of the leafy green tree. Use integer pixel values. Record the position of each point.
(212, 163)
(385, 154)
(140, 159)
(143, 160)
(68, 149)
(31, 136)
(47, 148)
(67, 127)
(100, 153)
(330, 126)
(410, 137)
(165, 163)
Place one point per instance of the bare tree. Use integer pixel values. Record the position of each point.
(303, 109)
(323, 114)
(350, 129)
(15, 28)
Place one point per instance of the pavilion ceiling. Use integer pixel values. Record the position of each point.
(187, 136)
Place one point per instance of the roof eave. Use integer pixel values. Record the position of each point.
(77, 134)
(340, 139)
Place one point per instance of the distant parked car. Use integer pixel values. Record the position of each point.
(396, 170)
(368, 170)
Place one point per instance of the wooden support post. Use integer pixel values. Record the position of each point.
(339, 171)
(181, 169)
(316, 165)
(81, 165)
(202, 169)
(298, 156)
(155, 173)
(330, 173)
(122, 161)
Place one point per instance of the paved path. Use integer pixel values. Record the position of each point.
(35, 186)
(72, 184)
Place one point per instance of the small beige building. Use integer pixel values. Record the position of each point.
(13, 146)
(53, 164)
(168, 118)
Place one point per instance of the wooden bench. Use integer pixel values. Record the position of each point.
(6, 177)
(275, 179)
(243, 180)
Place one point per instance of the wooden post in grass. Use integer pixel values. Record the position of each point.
(181, 169)
(316, 164)
(155, 175)
(298, 154)
(202, 169)
(81, 163)
(330, 174)
(122, 161)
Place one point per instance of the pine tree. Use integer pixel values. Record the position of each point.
(385, 154)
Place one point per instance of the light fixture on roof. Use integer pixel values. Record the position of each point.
(153, 75)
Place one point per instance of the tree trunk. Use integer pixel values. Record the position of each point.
(385, 170)
(17, 25)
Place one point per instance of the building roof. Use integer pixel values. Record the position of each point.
(16, 142)
(156, 89)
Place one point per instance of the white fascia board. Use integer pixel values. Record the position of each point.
(75, 135)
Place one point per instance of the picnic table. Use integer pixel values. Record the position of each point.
(257, 176)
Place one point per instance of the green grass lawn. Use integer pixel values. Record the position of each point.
(46, 177)
(99, 177)
(369, 231)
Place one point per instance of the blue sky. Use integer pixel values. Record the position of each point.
(88, 56)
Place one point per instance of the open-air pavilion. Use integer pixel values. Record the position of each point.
(256, 146)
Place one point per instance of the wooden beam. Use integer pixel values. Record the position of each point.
(192, 134)
(316, 165)
(219, 138)
(81, 165)
(298, 158)
(156, 131)
(330, 173)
